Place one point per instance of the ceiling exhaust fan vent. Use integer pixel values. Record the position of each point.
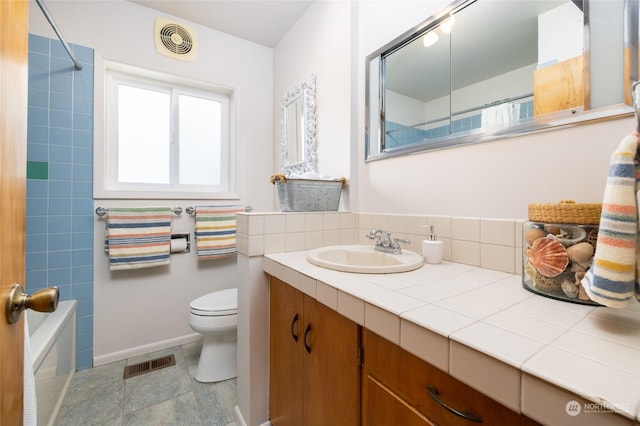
(175, 40)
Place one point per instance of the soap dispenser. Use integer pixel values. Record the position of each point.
(431, 248)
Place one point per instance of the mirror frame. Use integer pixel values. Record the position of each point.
(375, 78)
(306, 89)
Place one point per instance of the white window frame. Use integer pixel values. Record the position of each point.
(111, 188)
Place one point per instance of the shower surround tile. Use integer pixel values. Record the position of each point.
(60, 178)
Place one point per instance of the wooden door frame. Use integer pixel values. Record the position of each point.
(14, 20)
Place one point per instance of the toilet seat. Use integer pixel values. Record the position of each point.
(218, 303)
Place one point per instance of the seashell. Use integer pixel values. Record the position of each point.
(570, 289)
(552, 229)
(580, 252)
(568, 235)
(546, 284)
(533, 234)
(580, 266)
(548, 256)
(582, 295)
(529, 273)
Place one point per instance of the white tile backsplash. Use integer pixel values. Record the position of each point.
(397, 225)
(331, 221)
(488, 243)
(501, 258)
(498, 231)
(295, 222)
(256, 225)
(467, 252)
(274, 223)
(416, 225)
(348, 220)
(314, 222)
(465, 228)
(441, 226)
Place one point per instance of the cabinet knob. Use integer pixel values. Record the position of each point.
(467, 415)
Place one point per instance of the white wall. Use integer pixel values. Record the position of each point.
(497, 179)
(560, 33)
(319, 43)
(139, 311)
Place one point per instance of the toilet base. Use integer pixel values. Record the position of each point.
(218, 359)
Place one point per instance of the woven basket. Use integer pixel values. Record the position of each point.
(566, 211)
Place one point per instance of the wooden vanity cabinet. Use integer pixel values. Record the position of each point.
(396, 388)
(314, 361)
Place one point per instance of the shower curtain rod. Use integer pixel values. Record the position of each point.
(47, 15)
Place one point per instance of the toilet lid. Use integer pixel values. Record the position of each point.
(223, 302)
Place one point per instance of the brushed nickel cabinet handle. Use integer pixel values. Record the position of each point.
(433, 393)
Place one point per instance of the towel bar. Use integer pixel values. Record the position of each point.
(192, 210)
(101, 211)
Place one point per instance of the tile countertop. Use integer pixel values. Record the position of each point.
(479, 324)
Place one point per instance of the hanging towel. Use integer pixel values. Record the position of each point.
(138, 237)
(30, 404)
(500, 115)
(614, 272)
(216, 231)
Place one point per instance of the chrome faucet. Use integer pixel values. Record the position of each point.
(384, 243)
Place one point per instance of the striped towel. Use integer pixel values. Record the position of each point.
(614, 273)
(216, 231)
(138, 237)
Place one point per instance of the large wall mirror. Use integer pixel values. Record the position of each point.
(481, 70)
(298, 145)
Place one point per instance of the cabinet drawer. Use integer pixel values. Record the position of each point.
(426, 389)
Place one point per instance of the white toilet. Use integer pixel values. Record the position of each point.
(215, 315)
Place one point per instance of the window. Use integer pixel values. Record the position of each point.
(166, 139)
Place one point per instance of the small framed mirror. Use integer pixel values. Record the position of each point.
(298, 147)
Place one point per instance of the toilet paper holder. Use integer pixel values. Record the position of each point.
(180, 243)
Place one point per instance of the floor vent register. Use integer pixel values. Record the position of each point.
(148, 366)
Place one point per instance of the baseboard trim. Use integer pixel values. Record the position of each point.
(240, 419)
(145, 349)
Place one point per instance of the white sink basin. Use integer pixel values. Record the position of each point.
(364, 259)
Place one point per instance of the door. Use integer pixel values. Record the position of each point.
(331, 367)
(13, 147)
(286, 357)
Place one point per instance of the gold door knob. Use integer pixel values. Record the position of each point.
(45, 300)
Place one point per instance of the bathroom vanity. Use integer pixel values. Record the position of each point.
(427, 347)
(321, 363)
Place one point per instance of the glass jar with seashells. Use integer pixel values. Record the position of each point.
(555, 259)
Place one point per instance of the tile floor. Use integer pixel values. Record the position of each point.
(169, 396)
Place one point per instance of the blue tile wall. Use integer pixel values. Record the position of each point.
(401, 135)
(60, 203)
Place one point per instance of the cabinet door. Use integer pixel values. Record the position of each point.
(332, 367)
(383, 407)
(420, 386)
(285, 355)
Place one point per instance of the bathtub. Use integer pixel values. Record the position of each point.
(53, 354)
